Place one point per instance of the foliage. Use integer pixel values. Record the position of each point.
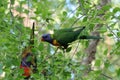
(56, 14)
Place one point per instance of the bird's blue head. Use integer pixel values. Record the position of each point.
(47, 38)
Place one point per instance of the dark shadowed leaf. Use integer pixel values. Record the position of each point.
(64, 13)
(12, 2)
(41, 47)
(68, 49)
(109, 35)
(116, 9)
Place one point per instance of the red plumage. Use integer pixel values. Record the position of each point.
(28, 62)
(27, 71)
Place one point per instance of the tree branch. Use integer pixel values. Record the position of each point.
(106, 76)
(75, 50)
(91, 50)
(76, 21)
(81, 5)
(72, 12)
(92, 47)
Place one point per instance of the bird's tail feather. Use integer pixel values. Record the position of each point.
(90, 37)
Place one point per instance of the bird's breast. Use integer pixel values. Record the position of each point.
(55, 43)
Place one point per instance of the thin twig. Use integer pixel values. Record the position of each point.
(103, 75)
(76, 21)
(58, 7)
(51, 55)
(13, 18)
(75, 50)
(72, 12)
(115, 48)
(81, 5)
(106, 76)
(113, 33)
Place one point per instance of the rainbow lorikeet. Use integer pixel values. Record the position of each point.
(63, 37)
(28, 62)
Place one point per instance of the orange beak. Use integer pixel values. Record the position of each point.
(42, 39)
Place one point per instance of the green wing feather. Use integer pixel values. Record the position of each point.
(68, 29)
(65, 36)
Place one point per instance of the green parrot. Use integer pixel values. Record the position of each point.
(64, 37)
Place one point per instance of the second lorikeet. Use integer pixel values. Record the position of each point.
(63, 37)
(28, 62)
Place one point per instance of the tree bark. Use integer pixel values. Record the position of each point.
(92, 48)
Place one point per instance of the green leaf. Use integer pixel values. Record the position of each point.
(2, 9)
(64, 13)
(41, 46)
(1, 71)
(85, 19)
(106, 7)
(91, 26)
(113, 24)
(12, 2)
(118, 34)
(103, 29)
(98, 62)
(26, 11)
(105, 52)
(116, 9)
(118, 72)
(34, 50)
(49, 19)
(97, 72)
(29, 58)
(110, 35)
(68, 49)
(100, 12)
(107, 63)
(108, 15)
